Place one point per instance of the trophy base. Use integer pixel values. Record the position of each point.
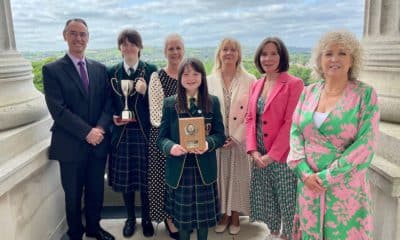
(120, 120)
(127, 116)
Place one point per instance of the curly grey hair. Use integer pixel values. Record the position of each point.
(345, 38)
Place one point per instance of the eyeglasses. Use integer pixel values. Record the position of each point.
(75, 34)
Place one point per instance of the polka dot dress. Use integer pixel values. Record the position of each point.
(156, 168)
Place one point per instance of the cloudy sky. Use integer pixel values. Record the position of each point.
(38, 24)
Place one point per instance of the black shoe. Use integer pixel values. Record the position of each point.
(173, 235)
(147, 228)
(129, 228)
(101, 235)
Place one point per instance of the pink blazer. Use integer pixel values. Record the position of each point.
(277, 115)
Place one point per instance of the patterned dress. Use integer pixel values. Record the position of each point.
(340, 152)
(273, 189)
(233, 171)
(233, 162)
(160, 87)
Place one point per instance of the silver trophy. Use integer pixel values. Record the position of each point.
(127, 89)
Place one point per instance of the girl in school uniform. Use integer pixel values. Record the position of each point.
(128, 163)
(192, 198)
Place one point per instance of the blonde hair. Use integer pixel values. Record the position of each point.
(217, 61)
(344, 38)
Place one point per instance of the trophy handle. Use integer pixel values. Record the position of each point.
(115, 81)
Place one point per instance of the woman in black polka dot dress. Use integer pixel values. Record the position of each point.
(162, 84)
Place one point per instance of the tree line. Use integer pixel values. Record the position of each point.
(298, 67)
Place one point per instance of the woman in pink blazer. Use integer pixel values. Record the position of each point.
(273, 99)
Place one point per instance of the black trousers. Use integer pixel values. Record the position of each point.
(129, 199)
(83, 178)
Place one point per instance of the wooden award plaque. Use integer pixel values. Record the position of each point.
(192, 134)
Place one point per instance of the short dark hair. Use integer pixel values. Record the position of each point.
(74, 20)
(204, 100)
(282, 51)
(132, 36)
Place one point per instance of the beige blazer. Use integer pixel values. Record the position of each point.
(240, 96)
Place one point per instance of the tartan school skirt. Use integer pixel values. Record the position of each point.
(127, 167)
(192, 205)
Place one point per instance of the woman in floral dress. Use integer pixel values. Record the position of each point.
(333, 138)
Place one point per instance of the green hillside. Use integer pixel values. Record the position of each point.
(299, 58)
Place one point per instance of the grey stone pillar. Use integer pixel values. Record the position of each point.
(382, 54)
(20, 102)
(31, 197)
(382, 70)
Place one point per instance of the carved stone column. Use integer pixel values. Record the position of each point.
(382, 70)
(382, 54)
(31, 197)
(20, 102)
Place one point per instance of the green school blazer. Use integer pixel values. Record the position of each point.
(169, 135)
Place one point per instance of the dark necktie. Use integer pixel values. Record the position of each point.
(192, 105)
(84, 76)
(131, 72)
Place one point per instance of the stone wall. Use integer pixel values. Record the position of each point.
(31, 197)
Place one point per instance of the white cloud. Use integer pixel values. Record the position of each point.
(38, 24)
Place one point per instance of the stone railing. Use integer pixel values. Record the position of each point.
(385, 183)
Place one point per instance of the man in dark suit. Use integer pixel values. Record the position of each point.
(77, 94)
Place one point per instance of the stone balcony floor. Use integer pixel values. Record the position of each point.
(249, 231)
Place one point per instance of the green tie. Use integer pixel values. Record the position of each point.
(131, 72)
(192, 105)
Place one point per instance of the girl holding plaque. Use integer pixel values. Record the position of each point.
(127, 168)
(192, 198)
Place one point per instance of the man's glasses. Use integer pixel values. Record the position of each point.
(75, 34)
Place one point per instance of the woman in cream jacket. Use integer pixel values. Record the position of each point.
(230, 82)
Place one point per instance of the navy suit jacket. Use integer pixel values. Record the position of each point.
(76, 112)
